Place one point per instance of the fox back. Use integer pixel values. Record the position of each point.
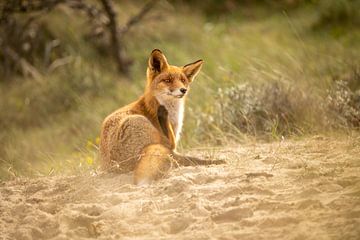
(156, 118)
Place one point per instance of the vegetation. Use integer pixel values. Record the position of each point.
(288, 69)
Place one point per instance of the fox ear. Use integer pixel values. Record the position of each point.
(157, 61)
(192, 69)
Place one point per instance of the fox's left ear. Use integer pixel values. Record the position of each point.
(192, 69)
(157, 62)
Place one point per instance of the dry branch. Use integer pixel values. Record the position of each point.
(25, 67)
(101, 18)
(138, 17)
(117, 33)
(119, 53)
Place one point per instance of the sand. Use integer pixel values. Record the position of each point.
(308, 189)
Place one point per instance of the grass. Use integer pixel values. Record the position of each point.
(50, 125)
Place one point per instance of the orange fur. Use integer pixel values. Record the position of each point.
(142, 136)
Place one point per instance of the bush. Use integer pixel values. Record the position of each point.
(271, 110)
(274, 109)
(343, 103)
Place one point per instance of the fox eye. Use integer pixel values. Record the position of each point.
(167, 80)
(183, 80)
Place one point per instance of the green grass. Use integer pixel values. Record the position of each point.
(50, 125)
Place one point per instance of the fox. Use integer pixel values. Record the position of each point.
(142, 136)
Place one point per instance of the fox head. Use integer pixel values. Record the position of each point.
(167, 82)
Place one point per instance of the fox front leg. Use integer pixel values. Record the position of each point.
(166, 126)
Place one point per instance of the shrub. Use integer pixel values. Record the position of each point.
(274, 109)
(271, 110)
(343, 103)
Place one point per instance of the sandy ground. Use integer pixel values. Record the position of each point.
(307, 189)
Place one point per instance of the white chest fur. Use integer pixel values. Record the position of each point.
(175, 110)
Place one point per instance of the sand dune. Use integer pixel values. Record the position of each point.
(307, 189)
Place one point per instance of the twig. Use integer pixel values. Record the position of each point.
(59, 62)
(26, 67)
(138, 17)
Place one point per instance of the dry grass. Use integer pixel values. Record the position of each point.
(268, 72)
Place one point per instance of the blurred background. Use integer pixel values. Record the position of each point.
(273, 69)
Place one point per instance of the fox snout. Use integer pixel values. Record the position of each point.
(183, 90)
(179, 92)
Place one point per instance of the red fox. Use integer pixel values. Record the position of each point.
(142, 136)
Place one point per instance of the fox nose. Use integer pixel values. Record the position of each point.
(183, 90)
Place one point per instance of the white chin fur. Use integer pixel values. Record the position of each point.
(175, 107)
